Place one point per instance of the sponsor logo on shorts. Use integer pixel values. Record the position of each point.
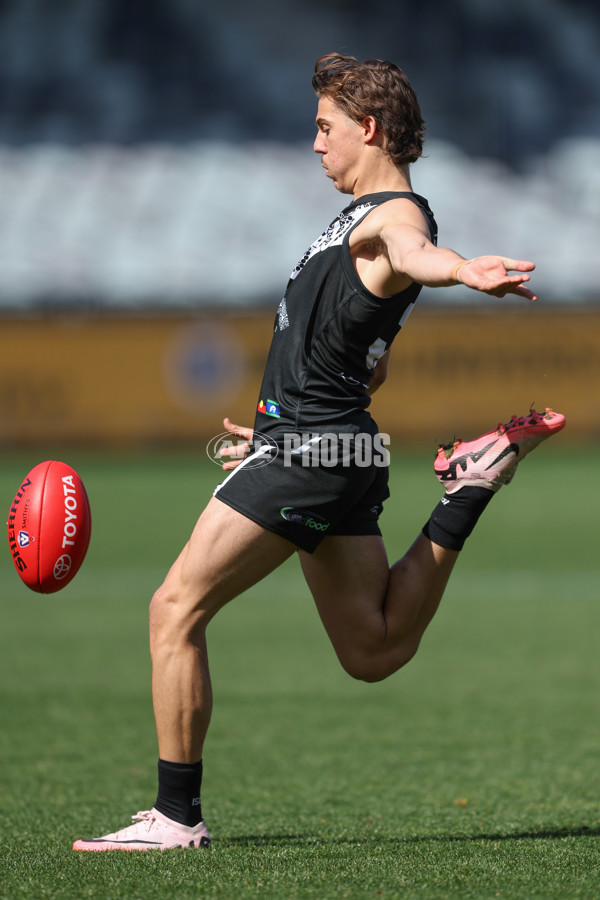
(305, 518)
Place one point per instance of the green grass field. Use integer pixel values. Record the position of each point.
(473, 773)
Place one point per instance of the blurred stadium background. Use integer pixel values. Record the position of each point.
(157, 186)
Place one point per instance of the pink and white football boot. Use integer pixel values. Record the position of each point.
(490, 461)
(150, 831)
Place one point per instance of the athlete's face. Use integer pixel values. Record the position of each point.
(340, 141)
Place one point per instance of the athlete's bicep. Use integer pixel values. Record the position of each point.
(404, 242)
(411, 253)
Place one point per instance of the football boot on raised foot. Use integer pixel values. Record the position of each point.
(490, 461)
(150, 831)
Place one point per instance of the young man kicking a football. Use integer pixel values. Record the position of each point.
(345, 302)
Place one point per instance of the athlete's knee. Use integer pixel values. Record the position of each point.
(364, 666)
(364, 671)
(174, 617)
(161, 617)
(378, 665)
(158, 612)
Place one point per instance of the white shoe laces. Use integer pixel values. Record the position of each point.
(145, 816)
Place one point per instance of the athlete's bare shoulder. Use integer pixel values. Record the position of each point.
(400, 220)
(393, 213)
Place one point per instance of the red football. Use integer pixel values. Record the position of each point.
(49, 526)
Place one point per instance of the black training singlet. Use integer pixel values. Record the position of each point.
(330, 331)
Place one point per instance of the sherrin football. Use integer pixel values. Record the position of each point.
(49, 526)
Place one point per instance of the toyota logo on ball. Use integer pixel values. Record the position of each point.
(260, 451)
(62, 566)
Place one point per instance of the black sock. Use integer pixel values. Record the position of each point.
(179, 791)
(456, 515)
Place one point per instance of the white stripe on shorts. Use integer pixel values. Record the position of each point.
(265, 448)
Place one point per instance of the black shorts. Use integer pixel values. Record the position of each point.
(305, 496)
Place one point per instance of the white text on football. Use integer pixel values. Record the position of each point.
(70, 529)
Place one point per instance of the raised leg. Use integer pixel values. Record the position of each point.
(375, 616)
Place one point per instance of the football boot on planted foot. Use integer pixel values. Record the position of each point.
(490, 461)
(150, 831)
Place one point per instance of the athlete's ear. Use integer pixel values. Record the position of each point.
(369, 127)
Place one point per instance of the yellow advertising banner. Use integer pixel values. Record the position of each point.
(145, 380)
(461, 373)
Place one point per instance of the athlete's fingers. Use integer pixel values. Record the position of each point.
(522, 292)
(489, 274)
(517, 265)
(231, 464)
(516, 279)
(239, 451)
(239, 430)
(513, 288)
(236, 455)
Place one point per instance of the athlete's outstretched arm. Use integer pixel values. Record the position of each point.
(411, 253)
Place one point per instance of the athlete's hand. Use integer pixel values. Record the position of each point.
(490, 274)
(240, 451)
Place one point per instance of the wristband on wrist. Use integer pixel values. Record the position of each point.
(455, 269)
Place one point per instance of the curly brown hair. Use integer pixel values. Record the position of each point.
(375, 88)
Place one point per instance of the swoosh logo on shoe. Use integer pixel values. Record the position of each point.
(475, 455)
(512, 448)
(132, 841)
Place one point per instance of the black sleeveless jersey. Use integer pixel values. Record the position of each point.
(330, 331)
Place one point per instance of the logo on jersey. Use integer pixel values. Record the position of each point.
(376, 351)
(282, 316)
(270, 408)
(333, 235)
